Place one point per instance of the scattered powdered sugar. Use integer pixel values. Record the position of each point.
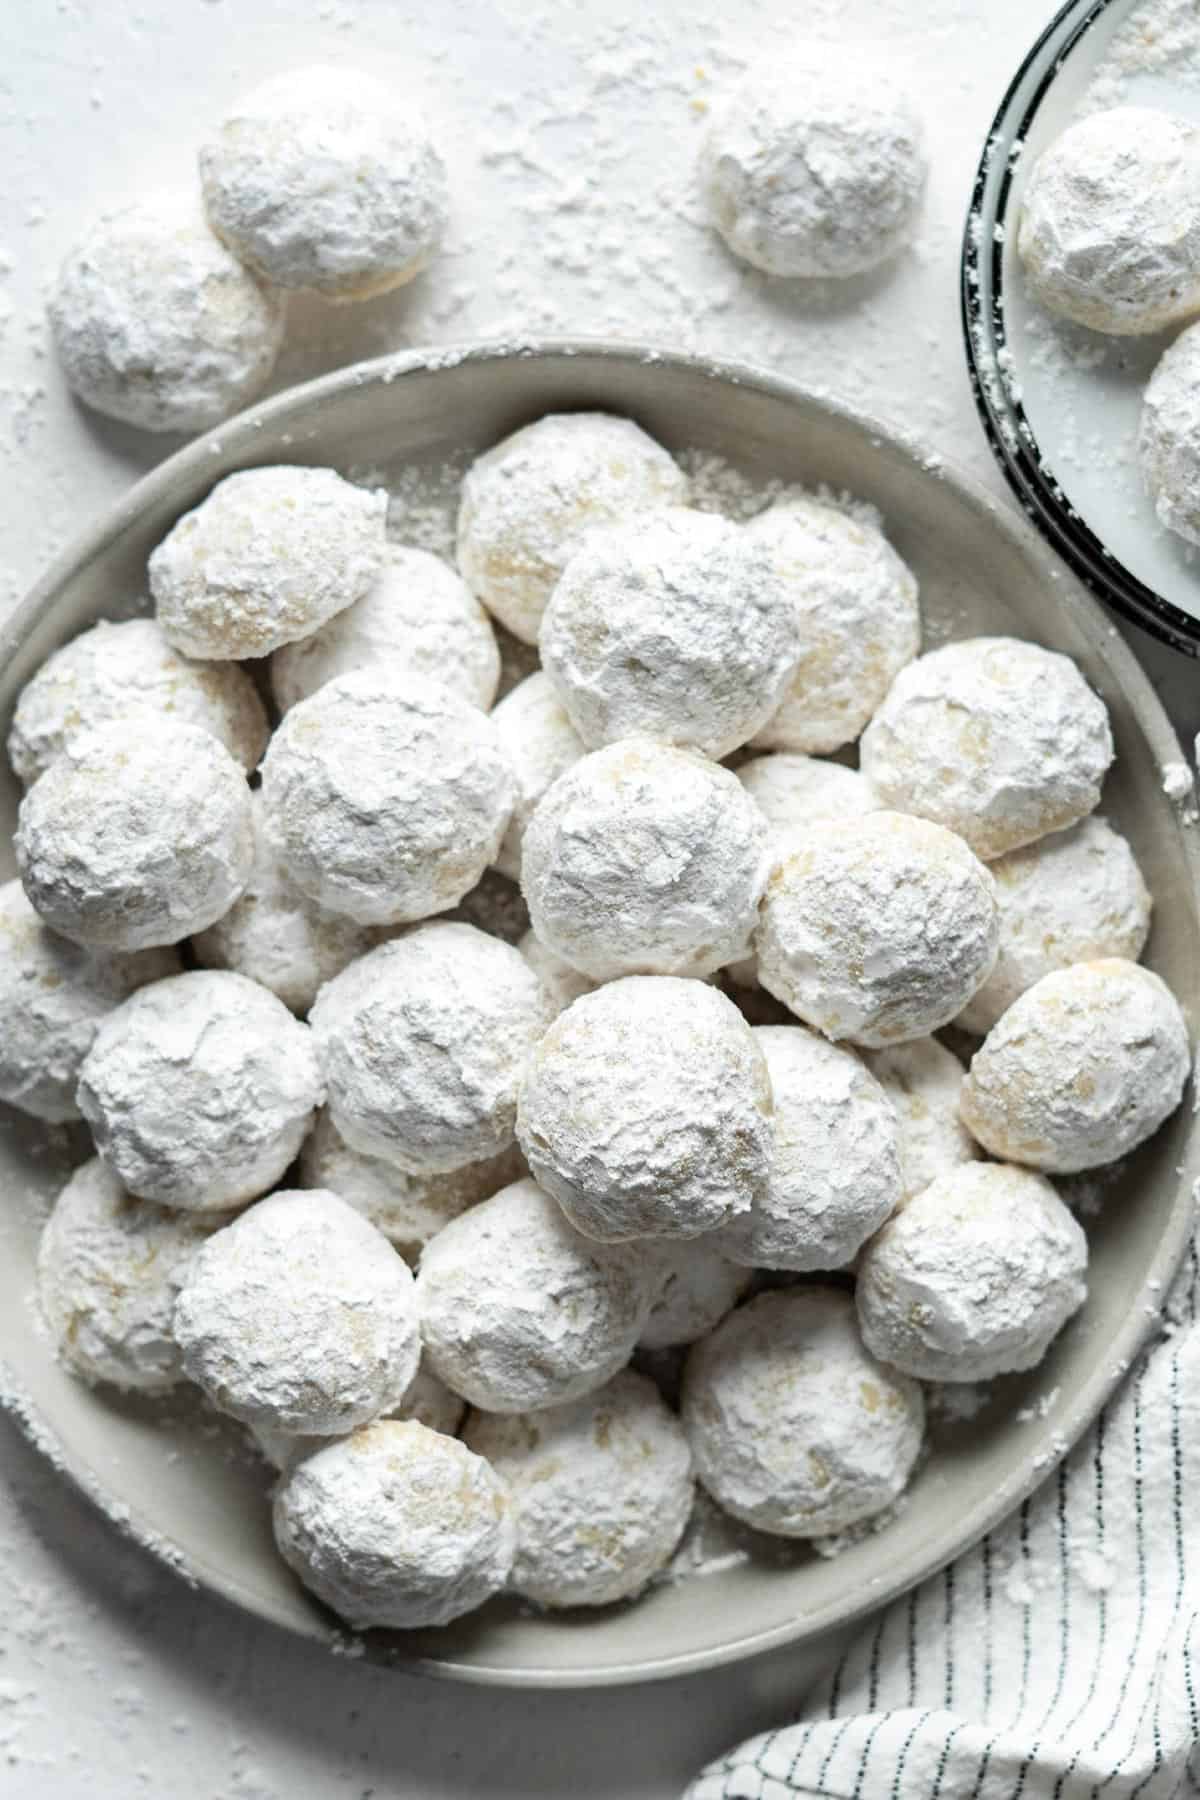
(1159, 37)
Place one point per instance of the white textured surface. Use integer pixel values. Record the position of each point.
(1168, 435)
(540, 743)
(426, 1399)
(560, 982)
(923, 1080)
(699, 1286)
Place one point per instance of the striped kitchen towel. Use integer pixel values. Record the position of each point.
(1057, 1660)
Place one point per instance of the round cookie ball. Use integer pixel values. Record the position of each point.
(560, 982)
(519, 1311)
(678, 627)
(320, 178)
(793, 791)
(199, 1090)
(540, 744)
(53, 996)
(1109, 233)
(794, 1427)
(266, 558)
(426, 1399)
(409, 1209)
(138, 835)
(924, 1082)
(836, 1175)
(109, 1268)
(601, 1490)
(646, 1110)
(1169, 436)
(299, 1317)
(1080, 1070)
(997, 739)
(814, 165)
(1072, 897)
(528, 503)
(423, 1043)
(974, 1278)
(859, 618)
(645, 860)
(700, 1285)
(418, 616)
(155, 323)
(396, 1526)
(877, 929)
(110, 673)
(385, 797)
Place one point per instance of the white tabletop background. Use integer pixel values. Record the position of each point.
(570, 127)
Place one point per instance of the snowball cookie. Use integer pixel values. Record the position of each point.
(154, 322)
(419, 615)
(138, 835)
(299, 1317)
(1109, 234)
(793, 791)
(53, 997)
(1071, 897)
(199, 1090)
(646, 1110)
(836, 1172)
(109, 1268)
(994, 738)
(528, 503)
(924, 1081)
(794, 1427)
(814, 164)
(643, 859)
(520, 1311)
(426, 1399)
(974, 1278)
(1169, 437)
(678, 627)
(385, 796)
(700, 1285)
(423, 1043)
(541, 744)
(560, 982)
(877, 929)
(860, 623)
(114, 671)
(396, 1526)
(1080, 1070)
(266, 558)
(601, 1489)
(276, 936)
(408, 1209)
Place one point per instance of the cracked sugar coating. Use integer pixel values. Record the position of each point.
(994, 738)
(418, 615)
(155, 322)
(299, 1317)
(276, 936)
(677, 627)
(1109, 234)
(385, 797)
(877, 929)
(794, 1427)
(322, 178)
(646, 1110)
(109, 1268)
(860, 621)
(1072, 897)
(528, 503)
(520, 1311)
(1080, 1070)
(836, 1172)
(426, 1399)
(266, 558)
(408, 1209)
(1169, 436)
(643, 859)
(111, 672)
(199, 1090)
(53, 997)
(601, 1490)
(924, 1081)
(423, 1043)
(541, 744)
(814, 165)
(560, 982)
(974, 1278)
(138, 835)
(396, 1526)
(700, 1285)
